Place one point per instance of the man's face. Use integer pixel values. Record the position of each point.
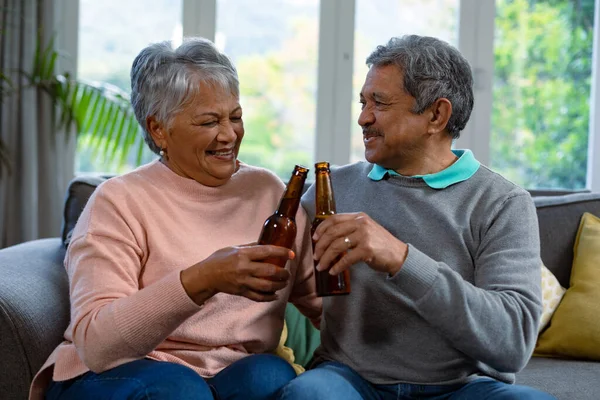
(393, 135)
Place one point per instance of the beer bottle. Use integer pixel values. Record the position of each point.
(280, 228)
(327, 285)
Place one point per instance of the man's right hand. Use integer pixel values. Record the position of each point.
(238, 270)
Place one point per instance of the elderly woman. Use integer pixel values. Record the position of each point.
(169, 297)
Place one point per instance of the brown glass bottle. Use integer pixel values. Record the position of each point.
(280, 228)
(327, 285)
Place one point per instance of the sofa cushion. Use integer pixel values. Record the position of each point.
(303, 337)
(558, 218)
(79, 192)
(565, 379)
(574, 329)
(34, 311)
(552, 293)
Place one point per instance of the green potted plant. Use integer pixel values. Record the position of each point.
(98, 109)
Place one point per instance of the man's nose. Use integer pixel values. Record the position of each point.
(366, 117)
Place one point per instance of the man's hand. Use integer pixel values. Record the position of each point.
(239, 271)
(365, 239)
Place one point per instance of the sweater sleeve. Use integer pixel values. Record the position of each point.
(113, 321)
(304, 291)
(493, 320)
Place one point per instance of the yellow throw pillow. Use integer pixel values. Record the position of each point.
(552, 293)
(285, 352)
(574, 329)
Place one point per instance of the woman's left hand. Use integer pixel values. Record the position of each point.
(363, 239)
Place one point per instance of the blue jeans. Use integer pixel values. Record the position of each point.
(333, 380)
(256, 377)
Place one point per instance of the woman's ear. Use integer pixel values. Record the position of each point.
(441, 111)
(157, 131)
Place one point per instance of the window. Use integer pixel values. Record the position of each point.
(377, 22)
(111, 34)
(274, 44)
(541, 92)
(302, 64)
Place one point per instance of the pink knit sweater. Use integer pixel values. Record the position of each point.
(136, 234)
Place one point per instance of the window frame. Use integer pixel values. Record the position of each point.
(593, 168)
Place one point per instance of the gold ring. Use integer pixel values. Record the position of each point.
(348, 242)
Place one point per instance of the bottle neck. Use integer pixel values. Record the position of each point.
(324, 201)
(290, 201)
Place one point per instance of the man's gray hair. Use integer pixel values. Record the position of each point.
(432, 70)
(165, 80)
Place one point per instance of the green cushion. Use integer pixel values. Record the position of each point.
(303, 337)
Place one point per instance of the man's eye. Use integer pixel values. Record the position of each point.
(209, 123)
(236, 119)
(362, 104)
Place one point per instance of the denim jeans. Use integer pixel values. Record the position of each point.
(256, 377)
(332, 381)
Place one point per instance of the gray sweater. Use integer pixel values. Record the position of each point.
(467, 300)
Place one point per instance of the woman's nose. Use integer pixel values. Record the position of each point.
(227, 133)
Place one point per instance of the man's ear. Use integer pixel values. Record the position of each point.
(157, 131)
(441, 111)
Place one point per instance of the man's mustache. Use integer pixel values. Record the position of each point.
(372, 132)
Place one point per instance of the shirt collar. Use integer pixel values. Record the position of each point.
(461, 170)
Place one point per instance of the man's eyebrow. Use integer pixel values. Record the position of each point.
(380, 96)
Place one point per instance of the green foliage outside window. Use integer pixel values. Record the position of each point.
(542, 78)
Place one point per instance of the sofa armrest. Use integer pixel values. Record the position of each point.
(34, 310)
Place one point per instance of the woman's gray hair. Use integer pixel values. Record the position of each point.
(432, 70)
(165, 80)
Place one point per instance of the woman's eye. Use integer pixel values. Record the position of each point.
(362, 104)
(209, 123)
(236, 119)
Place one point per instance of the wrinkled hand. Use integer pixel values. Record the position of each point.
(238, 270)
(367, 241)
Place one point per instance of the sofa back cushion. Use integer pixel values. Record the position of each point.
(79, 192)
(558, 218)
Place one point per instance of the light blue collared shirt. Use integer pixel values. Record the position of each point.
(459, 171)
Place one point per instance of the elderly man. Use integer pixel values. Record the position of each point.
(443, 252)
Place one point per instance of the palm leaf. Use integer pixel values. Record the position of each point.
(104, 113)
(100, 111)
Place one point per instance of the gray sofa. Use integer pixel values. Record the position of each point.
(34, 298)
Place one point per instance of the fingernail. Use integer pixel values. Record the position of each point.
(315, 237)
(292, 255)
(319, 268)
(331, 272)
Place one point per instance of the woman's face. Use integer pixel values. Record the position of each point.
(204, 139)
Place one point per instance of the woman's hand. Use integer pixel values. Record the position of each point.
(239, 271)
(363, 239)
